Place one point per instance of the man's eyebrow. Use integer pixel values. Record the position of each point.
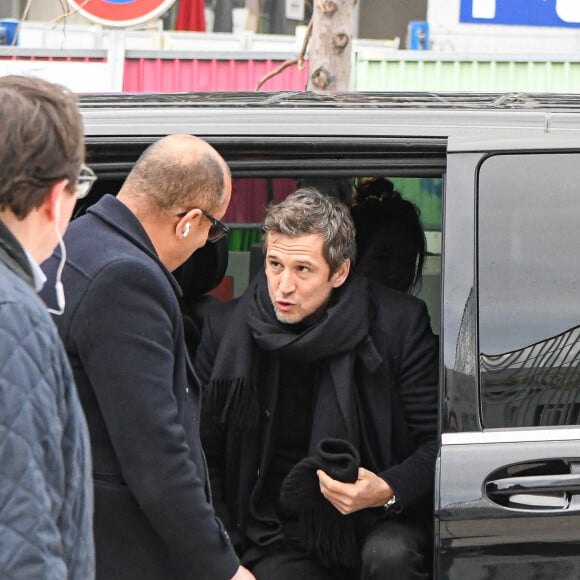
(301, 262)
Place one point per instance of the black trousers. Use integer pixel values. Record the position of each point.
(393, 550)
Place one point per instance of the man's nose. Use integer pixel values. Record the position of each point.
(286, 284)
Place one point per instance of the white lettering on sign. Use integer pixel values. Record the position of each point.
(568, 10)
(483, 9)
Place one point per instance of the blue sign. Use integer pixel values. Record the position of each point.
(561, 13)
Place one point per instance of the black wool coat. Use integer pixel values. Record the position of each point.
(123, 332)
(398, 409)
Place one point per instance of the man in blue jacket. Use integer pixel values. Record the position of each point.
(45, 487)
(123, 332)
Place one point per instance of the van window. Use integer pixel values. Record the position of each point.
(529, 289)
(251, 195)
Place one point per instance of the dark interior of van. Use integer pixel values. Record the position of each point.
(268, 172)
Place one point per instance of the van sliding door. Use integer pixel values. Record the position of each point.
(508, 487)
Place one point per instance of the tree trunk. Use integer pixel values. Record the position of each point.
(330, 48)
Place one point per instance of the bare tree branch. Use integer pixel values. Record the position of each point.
(299, 60)
(26, 10)
(65, 14)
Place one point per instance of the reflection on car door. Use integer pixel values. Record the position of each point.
(508, 489)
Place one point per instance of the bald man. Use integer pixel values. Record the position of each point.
(123, 331)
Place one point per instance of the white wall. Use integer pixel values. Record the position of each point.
(83, 77)
(447, 34)
(41, 36)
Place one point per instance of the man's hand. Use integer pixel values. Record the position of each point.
(243, 574)
(368, 491)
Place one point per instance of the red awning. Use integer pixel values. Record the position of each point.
(190, 15)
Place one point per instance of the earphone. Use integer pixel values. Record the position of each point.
(186, 230)
(58, 287)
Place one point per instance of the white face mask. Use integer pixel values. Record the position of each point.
(58, 287)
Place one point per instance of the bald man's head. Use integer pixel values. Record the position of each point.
(176, 173)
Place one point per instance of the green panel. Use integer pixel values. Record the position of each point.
(425, 193)
(243, 237)
(406, 74)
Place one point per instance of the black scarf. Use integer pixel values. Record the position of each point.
(252, 346)
(321, 528)
(335, 340)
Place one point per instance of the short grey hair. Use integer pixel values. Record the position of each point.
(306, 212)
(172, 179)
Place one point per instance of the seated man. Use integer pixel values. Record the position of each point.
(315, 372)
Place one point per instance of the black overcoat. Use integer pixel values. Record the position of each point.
(398, 409)
(123, 332)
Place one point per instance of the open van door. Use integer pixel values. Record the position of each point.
(508, 475)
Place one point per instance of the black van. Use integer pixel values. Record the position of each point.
(497, 177)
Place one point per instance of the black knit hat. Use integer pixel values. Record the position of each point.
(323, 530)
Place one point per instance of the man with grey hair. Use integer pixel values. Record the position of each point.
(124, 335)
(320, 422)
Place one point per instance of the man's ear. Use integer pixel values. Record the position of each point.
(185, 223)
(52, 201)
(339, 277)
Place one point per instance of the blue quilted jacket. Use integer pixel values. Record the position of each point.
(45, 488)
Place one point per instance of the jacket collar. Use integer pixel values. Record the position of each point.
(118, 216)
(13, 255)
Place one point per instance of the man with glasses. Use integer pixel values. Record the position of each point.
(123, 330)
(45, 482)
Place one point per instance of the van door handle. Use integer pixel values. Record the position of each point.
(560, 483)
(536, 491)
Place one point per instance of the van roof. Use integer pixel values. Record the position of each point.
(307, 99)
(300, 114)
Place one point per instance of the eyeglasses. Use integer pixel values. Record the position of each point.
(217, 231)
(84, 182)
